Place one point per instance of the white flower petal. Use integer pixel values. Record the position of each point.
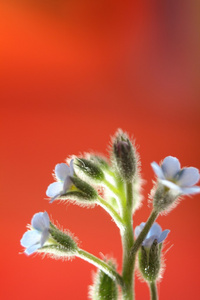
(157, 170)
(46, 219)
(71, 167)
(44, 237)
(163, 235)
(40, 221)
(148, 241)
(30, 238)
(62, 171)
(190, 190)
(155, 230)
(54, 189)
(171, 185)
(139, 228)
(67, 184)
(32, 249)
(170, 167)
(188, 177)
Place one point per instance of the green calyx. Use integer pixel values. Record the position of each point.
(104, 287)
(150, 261)
(82, 192)
(90, 169)
(64, 240)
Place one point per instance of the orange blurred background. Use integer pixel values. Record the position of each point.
(71, 73)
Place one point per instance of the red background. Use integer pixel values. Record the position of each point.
(71, 73)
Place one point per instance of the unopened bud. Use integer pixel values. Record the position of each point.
(90, 169)
(124, 156)
(150, 261)
(104, 287)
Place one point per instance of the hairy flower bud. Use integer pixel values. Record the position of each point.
(104, 287)
(124, 156)
(150, 261)
(90, 169)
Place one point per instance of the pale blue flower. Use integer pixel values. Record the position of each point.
(38, 234)
(179, 180)
(63, 183)
(155, 233)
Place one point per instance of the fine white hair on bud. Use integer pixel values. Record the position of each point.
(123, 155)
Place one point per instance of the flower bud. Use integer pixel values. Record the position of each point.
(104, 287)
(124, 156)
(150, 261)
(100, 160)
(90, 169)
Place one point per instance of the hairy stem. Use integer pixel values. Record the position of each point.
(100, 264)
(127, 244)
(153, 216)
(153, 290)
(116, 217)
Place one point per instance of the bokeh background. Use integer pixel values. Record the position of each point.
(71, 73)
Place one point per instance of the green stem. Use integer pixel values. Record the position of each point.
(100, 264)
(153, 216)
(118, 220)
(153, 290)
(127, 243)
(116, 193)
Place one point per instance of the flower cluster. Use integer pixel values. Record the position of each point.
(114, 184)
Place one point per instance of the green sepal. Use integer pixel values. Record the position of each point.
(85, 190)
(90, 169)
(104, 287)
(163, 198)
(65, 241)
(99, 160)
(150, 261)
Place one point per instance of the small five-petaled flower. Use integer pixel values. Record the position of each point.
(155, 233)
(63, 183)
(181, 181)
(38, 234)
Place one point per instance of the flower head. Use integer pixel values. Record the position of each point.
(63, 183)
(36, 237)
(181, 181)
(155, 233)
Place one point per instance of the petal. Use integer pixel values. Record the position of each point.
(32, 249)
(67, 184)
(54, 189)
(155, 230)
(171, 185)
(157, 170)
(139, 228)
(71, 167)
(163, 235)
(30, 238)
(188, 177)
(190, 190)
(44, 237)
(170, 167)
(148, 242)
(40, 221)
(46, 219)
(62, 171)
